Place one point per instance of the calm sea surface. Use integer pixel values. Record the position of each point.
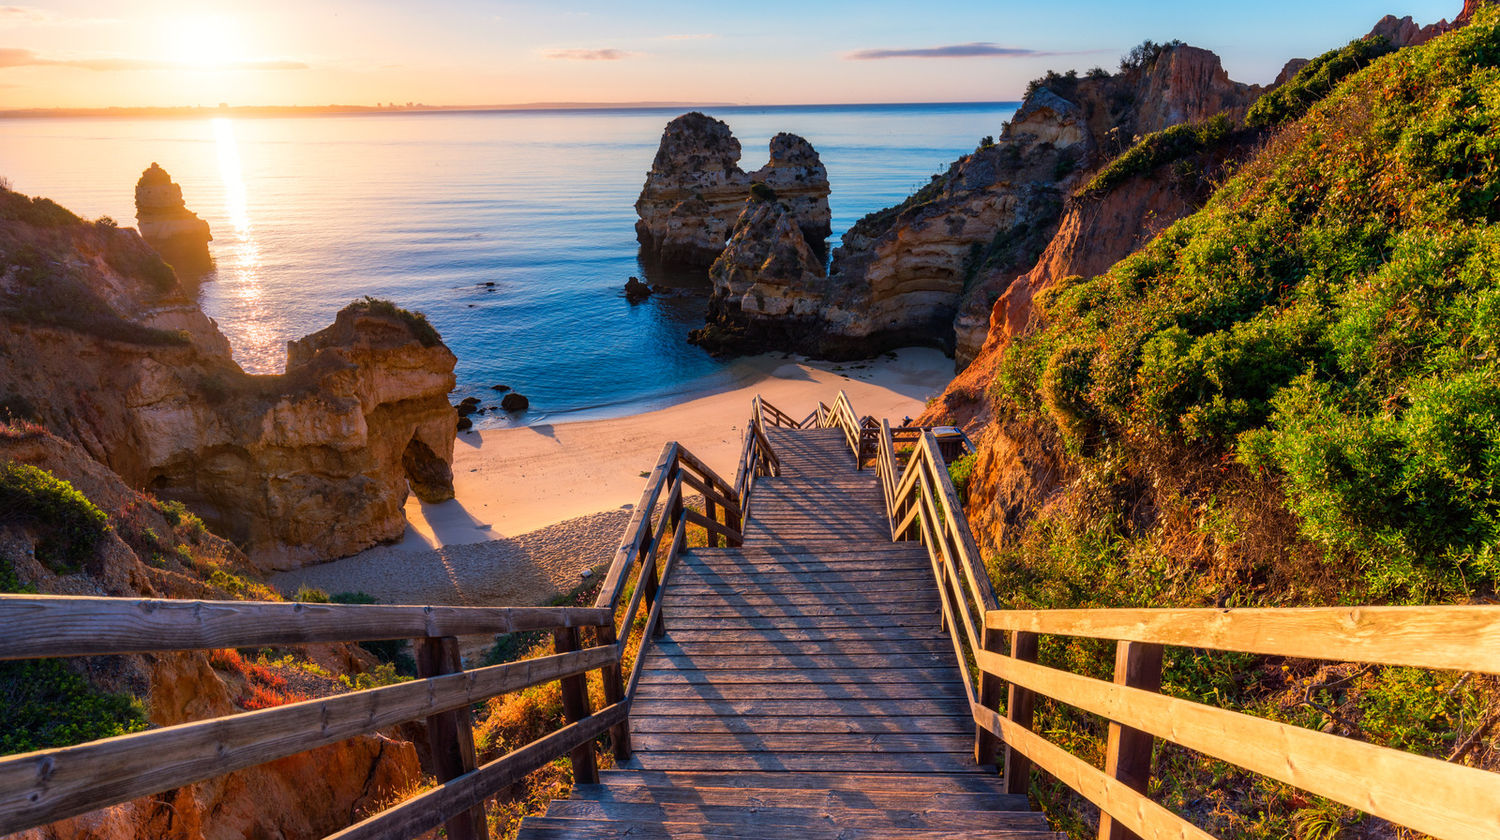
(430, 209)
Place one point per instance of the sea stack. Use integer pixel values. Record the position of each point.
(168, 226)
(696, 190)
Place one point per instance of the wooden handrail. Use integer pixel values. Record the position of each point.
(1452, 801)
(65, 625)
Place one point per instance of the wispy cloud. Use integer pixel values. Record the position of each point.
(589, 55)
(12, 57)
(32, 16)
(699, 36)
(976, 49)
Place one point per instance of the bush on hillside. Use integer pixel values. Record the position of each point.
(1154, 150)
(1314, 81)
(47, 706)
(421, 329)
(69, 528)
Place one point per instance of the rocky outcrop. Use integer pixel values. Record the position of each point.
(297, 468)
(308, 795)
(695, 190)
(168, 226)
(929, 270)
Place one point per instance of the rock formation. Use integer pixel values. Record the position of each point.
(309, 795)
(929, 270)
(297, 468)
(695, 191)
(168, 226)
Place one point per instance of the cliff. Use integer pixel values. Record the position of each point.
(168, 226)
(696, 188)
(297, 468)
(929, 270)
(76, 529)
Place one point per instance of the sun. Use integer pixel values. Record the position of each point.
(203, 42)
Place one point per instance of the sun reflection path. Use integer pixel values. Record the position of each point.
(242, 266)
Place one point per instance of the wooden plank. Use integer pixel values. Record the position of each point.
(829, 691)
(556, 828)
(761, 725)
(806, 634)
(814, 797)
(702, 521)
(66, 625)
(856, 782)
(1453, 801)
(692, 461)
(709, 491)
(657, 660)
(701, 576)
(1131, 809)
(769, 597)
(1020, 705)
(1456, 638)
(804, 742)
(40, 787)
(450, 735)
(876, 589)
(429, 809)
(1127, 752)
(914, 817)
(753, 645)
(575, 701)
(809, 622)
(926, 606)
(986, 745)
(614, 692)
(956, 762)
(646, 706)
(804, 676)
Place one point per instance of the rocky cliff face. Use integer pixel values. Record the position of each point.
(168, 226)
(309, 795)
(298, 468)
(929, 270)
(696, 189)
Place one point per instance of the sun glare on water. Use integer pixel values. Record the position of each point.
(239, 263)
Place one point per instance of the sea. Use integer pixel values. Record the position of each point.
(512, 230)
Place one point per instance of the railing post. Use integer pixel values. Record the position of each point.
(450, 735)
(985, 742)
(614, 692)
(711, 510)
(575, 697)
(1127, 755)
(1018, 707)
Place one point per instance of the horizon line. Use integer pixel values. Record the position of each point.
(128, 111)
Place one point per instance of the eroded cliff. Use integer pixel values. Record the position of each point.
(168, 226)
(108, 350)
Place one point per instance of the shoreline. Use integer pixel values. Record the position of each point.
(536, 505)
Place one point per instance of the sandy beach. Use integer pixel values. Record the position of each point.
(576, 480)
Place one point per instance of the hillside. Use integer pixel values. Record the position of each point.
(1289, 397)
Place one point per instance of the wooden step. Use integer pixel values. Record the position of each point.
(812, 762)
(773, 724)
(721, 790)
(800, 817)
(647, 705)
(554, 828)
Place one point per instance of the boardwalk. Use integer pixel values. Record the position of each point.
(803, 687)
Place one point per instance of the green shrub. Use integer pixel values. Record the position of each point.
(1314, 81)
(47, 706)
(1145, 55)
(761, 191)
(1154, 150)
(69, 527)
(394, 652)
(1331, 317)
(310, 595)
(960, 470)
(421, 329)
(41, 212)
(131, 257)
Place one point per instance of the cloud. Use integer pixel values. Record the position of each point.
(701, 36)
(589, 55)
(12, 57)
(32, 16)
(976, 49)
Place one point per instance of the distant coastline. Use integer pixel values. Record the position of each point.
(261, 111)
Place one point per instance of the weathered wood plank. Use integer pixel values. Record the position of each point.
(809, 622)
(763, 724)
(926, 606)
(1457, 638)
(812, 694)
(917, 817)
(635, 531)
(751, 644)
(657, 660)
(65, 625)
(856, 782)
(958, 762)
(1453, 801)
(429, 809)
(819, 793)
(37, 788)
(808, 635)
(751, 706)
(554, 828)
(803, 742)
(656, 674)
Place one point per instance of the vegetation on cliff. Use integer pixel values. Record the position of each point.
(1166, 146)
(1316, 80)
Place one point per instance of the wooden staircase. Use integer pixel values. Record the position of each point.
(803, 687)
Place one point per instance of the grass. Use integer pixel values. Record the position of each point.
(421, 329)
(69, 528)
(47, 705)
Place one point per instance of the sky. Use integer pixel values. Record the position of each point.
(88, 53)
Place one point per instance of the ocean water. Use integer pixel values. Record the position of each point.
(513, 231)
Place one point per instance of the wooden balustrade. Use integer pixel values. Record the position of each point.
(1438, 798)
(41, 787)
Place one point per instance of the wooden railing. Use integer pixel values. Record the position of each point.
(841, 416)
(41, 787)
(757, 458)
(1438, 798)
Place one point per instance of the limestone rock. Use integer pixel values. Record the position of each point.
(168, 226)
(514, 402)
(929, 270)
(695, 189)
(298, 468)
(636, 291)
